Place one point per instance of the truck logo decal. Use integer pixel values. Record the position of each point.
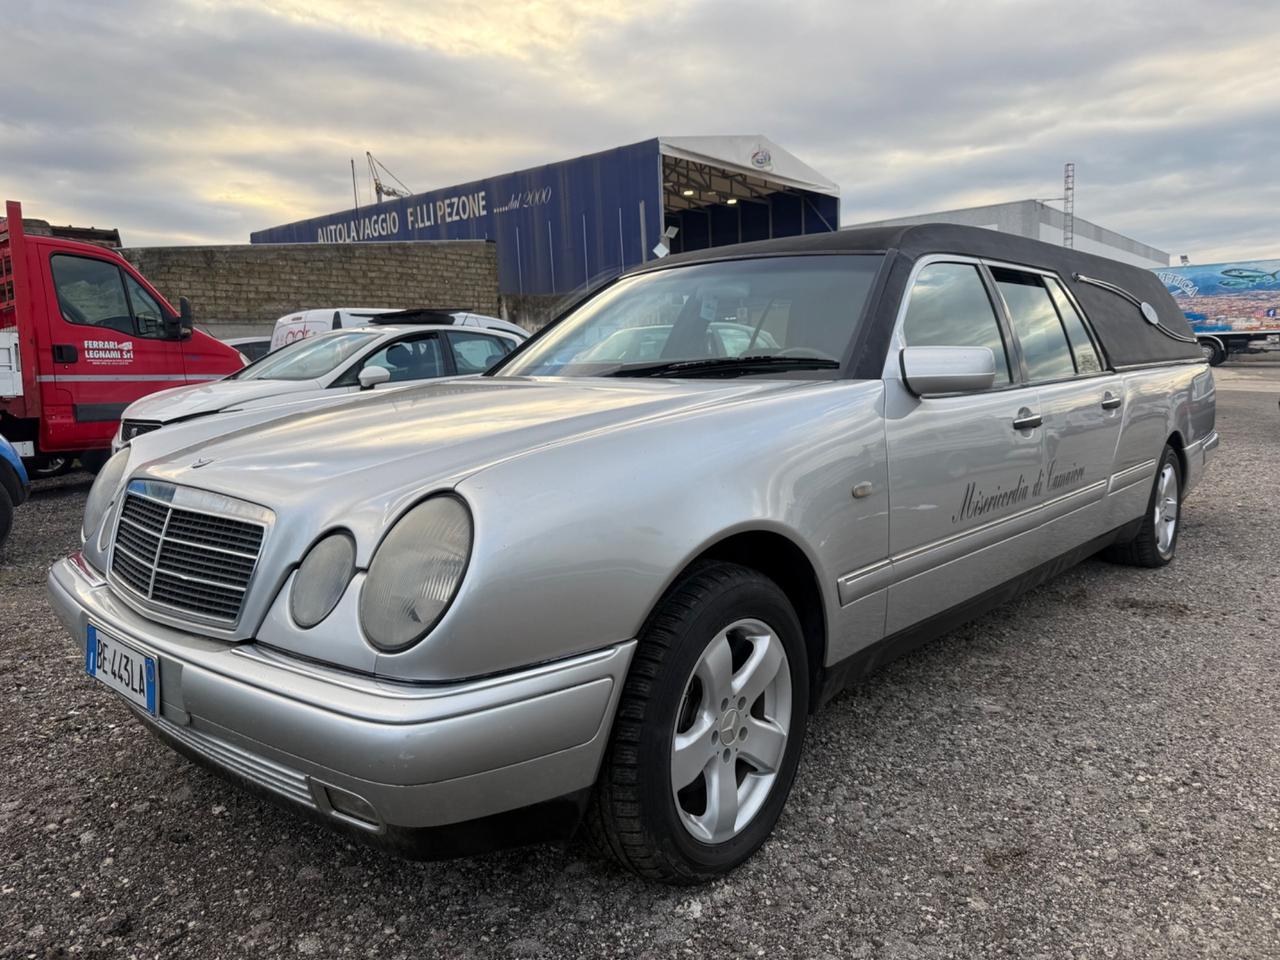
(108, 352)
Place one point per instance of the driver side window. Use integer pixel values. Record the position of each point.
(146, 311)
(418, 358)
(91, 293)
(949, 307)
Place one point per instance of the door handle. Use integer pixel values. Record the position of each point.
(1110, 401)
(1026, 420)
(64, 353)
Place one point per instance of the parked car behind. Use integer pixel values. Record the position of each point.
(14, 486)
(350, 360)
(308, 323)
(584, 590)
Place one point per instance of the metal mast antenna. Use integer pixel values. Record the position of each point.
(1069, 206)
(381, 189)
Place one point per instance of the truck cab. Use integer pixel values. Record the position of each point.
(83, 335)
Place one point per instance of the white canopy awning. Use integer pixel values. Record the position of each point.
(755, 156)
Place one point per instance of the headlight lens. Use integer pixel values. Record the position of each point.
(415, 573)
(103, 492)
(323, 576)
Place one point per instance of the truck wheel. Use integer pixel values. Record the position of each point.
(44, 467)
(1157, 539)
(1213, 352)
(708, 730)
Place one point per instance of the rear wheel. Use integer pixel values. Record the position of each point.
(708, 731)
(1157, 538)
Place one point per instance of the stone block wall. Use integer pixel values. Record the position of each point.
(241, 290)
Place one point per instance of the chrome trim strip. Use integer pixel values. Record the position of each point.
(965, 534)
(1067, 499)
(1131, 475)
(257, 769)
(127, 377)
(1212, 441)
(863, 581)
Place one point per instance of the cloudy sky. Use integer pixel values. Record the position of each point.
(189, 121)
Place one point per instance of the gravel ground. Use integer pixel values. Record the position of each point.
(1089, 772)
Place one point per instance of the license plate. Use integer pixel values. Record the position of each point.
(123, 668)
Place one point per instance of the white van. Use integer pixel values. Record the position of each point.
(307, 323)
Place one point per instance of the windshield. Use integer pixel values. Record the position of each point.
(306, 359)
(763, 316)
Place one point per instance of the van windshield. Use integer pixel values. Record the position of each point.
(306, 359)
(764, 316)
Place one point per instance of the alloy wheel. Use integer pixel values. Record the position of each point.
(731, 731)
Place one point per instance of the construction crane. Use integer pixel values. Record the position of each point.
(381, 189)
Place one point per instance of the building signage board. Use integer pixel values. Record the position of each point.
(556, 226)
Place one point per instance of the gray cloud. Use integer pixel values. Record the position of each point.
(201, 121)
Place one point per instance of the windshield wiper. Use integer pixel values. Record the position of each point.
(726, 366)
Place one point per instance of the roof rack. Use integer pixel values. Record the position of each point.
(440, 315)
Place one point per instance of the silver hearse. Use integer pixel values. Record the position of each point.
(605, 584)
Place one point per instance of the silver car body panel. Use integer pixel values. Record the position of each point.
(589, 498)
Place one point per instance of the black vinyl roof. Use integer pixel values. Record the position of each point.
(1113, 308)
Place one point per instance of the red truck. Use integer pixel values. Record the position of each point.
(83, 335)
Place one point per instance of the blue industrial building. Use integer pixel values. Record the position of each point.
(560, 226)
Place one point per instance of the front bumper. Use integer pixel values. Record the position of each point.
(419, 756)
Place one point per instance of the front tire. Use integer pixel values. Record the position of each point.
(1157, 538)
(708, 731)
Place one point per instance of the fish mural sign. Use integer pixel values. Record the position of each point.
(1221, 297)
(1232, 307)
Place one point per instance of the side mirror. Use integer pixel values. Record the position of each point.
(371, 376)
(181, 326)
(933, 370)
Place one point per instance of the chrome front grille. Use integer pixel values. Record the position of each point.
(188, 561)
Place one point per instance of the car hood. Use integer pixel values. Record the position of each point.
(182, 403)
(374, 446)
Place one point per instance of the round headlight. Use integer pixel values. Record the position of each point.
(415, 573)
(103, 492)
(321, 579)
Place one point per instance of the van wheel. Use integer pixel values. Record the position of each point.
(1157, 539)
(708, 730)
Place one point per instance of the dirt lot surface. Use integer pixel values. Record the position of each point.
(1092, 771)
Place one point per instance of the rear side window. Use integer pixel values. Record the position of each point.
(91, 293)
(1036, 324)
(949, 307)
(1082, 345)
(476, 352)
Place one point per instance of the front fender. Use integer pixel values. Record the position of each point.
(575, 542)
